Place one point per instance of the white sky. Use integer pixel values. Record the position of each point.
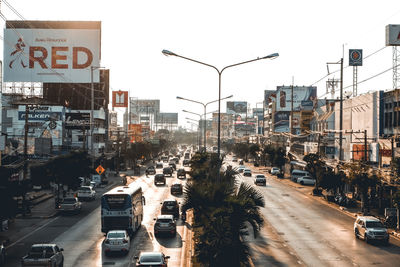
(306, 34)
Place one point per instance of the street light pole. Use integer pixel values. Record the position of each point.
(169, 53)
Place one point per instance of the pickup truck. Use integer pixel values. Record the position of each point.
(86, 192)
(70, 204)
(44, 255)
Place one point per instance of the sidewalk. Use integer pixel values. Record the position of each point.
(350, 211)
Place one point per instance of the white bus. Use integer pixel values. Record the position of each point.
(122, 209)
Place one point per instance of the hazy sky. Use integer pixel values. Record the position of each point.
(306, 34)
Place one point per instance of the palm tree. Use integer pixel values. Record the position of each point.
(222, 209)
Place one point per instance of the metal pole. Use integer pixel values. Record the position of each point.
(341, 111)
(91, 116)
(219, 114)
(205, 130)
(263, 118)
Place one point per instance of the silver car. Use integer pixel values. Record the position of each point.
(117, 241)
(152, 259)
(370, 228)
(165, 224)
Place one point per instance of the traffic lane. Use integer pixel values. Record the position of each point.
(46, 230)
(321, 235)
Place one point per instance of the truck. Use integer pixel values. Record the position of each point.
(44, 255)
(70, 204)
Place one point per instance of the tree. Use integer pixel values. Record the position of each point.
(241, 150)
(253, 150)
(279, 157)
(315, 167)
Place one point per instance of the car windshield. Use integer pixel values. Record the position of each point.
(169, 203)
(84, 189)
(260, 176)
(164, 220)
(374, 225)
(150, 258)
(116, 235)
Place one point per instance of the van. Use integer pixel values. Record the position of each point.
(298, 173)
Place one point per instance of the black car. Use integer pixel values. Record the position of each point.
(168, 171)
(176, 189)
(181, 173)
(186, 162)
(159, 165)
(171, 207)
(159, 178)
(172, 165)
(150, 170)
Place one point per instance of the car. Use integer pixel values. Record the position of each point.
(370, 228)
(70, 204)
(306, 180)
(170, 207)
(159, 165)
(165, 224)
(150, 170)
(117, 241)
(152, 259)
(241, 168)
(240, 162)
(168, 171)
(176, 159)
(234, 159)
(181, 173)
(177, 189)
(260, 180)
(186, 162)
(247, 172)
(274, 170)
(256, 164)
(297, 174)
(86, 192)
(43, 254)
(172, 165)
(159, 178)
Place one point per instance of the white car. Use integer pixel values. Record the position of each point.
(117, 241)
(275, 170)
(306, 180)
(86, 192)
(241, 168)
(370, 228)
(247, 172)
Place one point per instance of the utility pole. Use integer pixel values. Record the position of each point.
(365, 147)
(319, 142)
(341, 112)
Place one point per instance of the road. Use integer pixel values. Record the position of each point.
(81, 237)
(302, 230)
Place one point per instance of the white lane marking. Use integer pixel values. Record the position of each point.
(34, 231)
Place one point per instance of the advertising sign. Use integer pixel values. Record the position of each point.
(355, 57)
(269, 96)
(235, 107)
(168, 118)
(281, 122)
(77, 121)
(51, 55)
(393, 35)
(304, 98)
(148, 106)
(305, 120)
(359, 151)
(34, 115)
(135, 132)
(120, 99)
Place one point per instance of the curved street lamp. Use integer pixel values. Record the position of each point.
(270, 56)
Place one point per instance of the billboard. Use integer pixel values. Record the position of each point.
(393, 35)
(120, 99)
(54, 53)
(235, 107)
(355, 57)
(135, 132)
(147, 106)
(359, 151)
(77, 121)
(168, 118)
(41, 113)
(269, 96)
(304, 98)
(281, 122)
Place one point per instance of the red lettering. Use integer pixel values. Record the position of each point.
(55, 57)
(75, 64)
(39, 59)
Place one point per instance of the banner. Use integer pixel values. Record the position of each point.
(120, 99)
(77, 121)
(304, 98)
(51, 55)
(281, 122)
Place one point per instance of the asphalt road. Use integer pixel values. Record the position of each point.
(301, 230)
(81, 237)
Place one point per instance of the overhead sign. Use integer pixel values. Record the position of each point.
(355, 57)
(100, 169)
(120, 99)
(51, 55)
(393, 35)
(77, 121)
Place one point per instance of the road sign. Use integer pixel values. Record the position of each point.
(100, 169)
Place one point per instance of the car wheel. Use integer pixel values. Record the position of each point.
(301, 182)
(356, 233)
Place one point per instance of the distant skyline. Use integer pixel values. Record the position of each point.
(306, 34)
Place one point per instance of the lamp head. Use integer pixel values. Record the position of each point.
(168, 53)
(274, 55)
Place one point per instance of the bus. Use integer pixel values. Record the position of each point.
(122, 209)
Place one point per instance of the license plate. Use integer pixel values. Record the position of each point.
(164, 224)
